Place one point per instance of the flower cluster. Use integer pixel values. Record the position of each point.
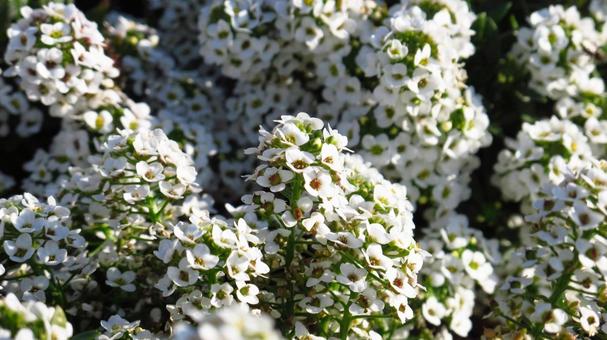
(557, 50)
(558, 287)
(211, 263)
(32, 320)
(178, 26)
(461, 259)
(389, 80)
(58, 54)
(249, 38)
(338, 238)
(539, 155)
(560, 51)
(150, 110)
(426, 125)
(59, 58)
(14, 104)
(41, 253)
(137, 177)
(236, 322)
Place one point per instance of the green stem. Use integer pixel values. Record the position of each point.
(344, 325)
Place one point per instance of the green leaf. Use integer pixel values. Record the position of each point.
(88, 335)
(500, 11)
(485, 28)
(458, 119)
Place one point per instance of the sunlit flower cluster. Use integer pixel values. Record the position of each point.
(338, 238)
(137, 176)
(223, 257)
(558, 50)
(461, 259)
(558, 288)
(390, 80)
(539, 155)
(181, 191)
(424, 124)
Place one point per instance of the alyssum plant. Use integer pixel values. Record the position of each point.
(151, 214)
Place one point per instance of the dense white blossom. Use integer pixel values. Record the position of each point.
(32, 320)
(236, 322)
(557, 51)
(340, 224)
(558, 284)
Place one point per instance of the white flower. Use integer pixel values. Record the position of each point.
(247, 292)
(166, 249)
(135, 193)
(221, 294)
(396, 50)
(290, 133)
(26, 222)
(395, 75)
(309, 32)
(201, 258)
(174, 191)
(298, 160)
(117, 326)
(376, 259)
(224, 238)
(183, 276)
(19, 250)
(186, 173)
(187, 232)
(122, 280)
(318, 182)
(377, 233)
(51, 254)
(584, 217)
(345, 239)
(316, 304)
(150, 172)
(433, 311)
(99, 121)
(330, 156)
(353, 277)
(274, 179)
(367, 303)
(476, 265)
(553, 319)
(589, 320)
(399, 281)
(237, 266)
(403, 309)
(55, 33)
(460, 324)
